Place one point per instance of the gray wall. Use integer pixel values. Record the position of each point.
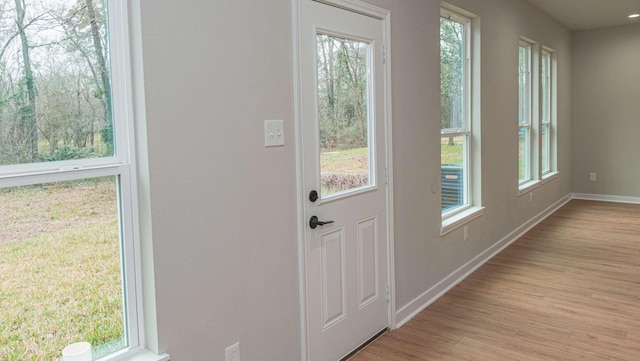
(223, 207)
(423, 257)
(606, 111)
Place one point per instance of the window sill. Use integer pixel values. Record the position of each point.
(146, 355)
(528, 187)
(459, 219)
(141, 355)
(549, 177)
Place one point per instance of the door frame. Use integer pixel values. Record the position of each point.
(384, 16)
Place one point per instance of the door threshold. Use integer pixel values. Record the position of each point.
(365, 344)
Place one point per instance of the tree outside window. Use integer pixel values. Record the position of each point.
(66, 210)
(454, 112)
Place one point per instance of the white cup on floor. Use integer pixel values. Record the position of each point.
(79, 351)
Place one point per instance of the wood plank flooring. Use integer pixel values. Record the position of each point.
(569, 289)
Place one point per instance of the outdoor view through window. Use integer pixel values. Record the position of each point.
(343, 114)
(61, 233)
(455, 121)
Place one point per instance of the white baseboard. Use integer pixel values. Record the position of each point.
(421, 302)
(606, 198)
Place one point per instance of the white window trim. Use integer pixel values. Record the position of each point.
(125, 29)
(532, 176)
(139, 354)
(545, 112)
(466, 131)
(122, 166)
(456, 218)
(551, 119)
(539, 176)
(550, 176)
(528, 187)
(461, 218)
(528, 105)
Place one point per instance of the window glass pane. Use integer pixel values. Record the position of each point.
(523, 154)
(546, 88)
(524, 86)
(545, 148)
(452, 74)
(546, 110)
(453, 177)
(524, 117)
(454, 112)
(343, 96)
(55, 91)
(60, 262)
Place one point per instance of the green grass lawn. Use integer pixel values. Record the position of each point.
(60, 264)
(451, 154)
(352, 161)
(355, 161)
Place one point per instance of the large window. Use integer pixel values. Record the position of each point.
(67, 182)
(536, 118)
(525, 113)
(546, 123)
(455, 111)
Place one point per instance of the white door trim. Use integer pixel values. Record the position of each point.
(385, 16)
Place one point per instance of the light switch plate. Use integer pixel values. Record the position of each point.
(273, 133)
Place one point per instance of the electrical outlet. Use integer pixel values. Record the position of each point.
(593, 176)
(531, 197)
(232, 353)
(466, 233)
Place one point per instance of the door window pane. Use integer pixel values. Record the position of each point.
(60, 262)
(55, 82)
(343, 117)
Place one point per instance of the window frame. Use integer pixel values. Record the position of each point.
(121, 165)
(548, 112)
(465, 130)
(526, 126)
(471, 208)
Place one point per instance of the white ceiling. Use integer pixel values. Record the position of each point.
(590, 14)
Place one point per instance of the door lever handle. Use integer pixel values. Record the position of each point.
(314, 222)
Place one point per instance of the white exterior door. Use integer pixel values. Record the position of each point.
(343, 162)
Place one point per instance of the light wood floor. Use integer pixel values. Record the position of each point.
(567, 290)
